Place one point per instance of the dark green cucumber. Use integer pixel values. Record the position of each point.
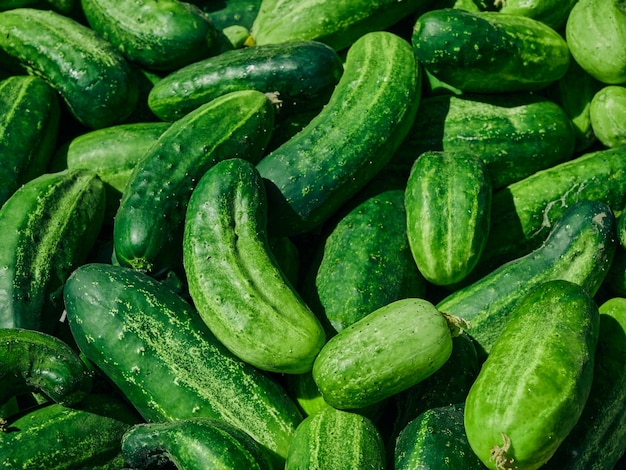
(606, 113)
(52, 436)
(531, 390)
(49, 226)
(66, 7)
(338, 23)
(169, 365)
(26, 145)
(193, 444)
(156, 34)
(336, 440)
(599, 438)
(387, 351)
(445, 191)
(230, 12)
(554, 13)
(301, 74)
(149, 224)
(33, 361)
(235, 281)
(489, 52)
(344, 146)
(579, 249)
(95, 81)
(515, 134)
(435, 440)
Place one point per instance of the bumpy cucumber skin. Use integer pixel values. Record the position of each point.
(606, 112)
(235, 281)
(155, 347)
(303, 75)
(335, 439)
(35, 361)
(580, 249)
(93, 78)
(532, 389)
(554, 13)
(49, 226)
(446, 191)
(387, 351)
(489, 52)
(149, 223)
(354, 136)
(26, 145)
(157, 34)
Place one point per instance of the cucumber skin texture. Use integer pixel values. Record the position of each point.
(36, 361)
(445, 191)
(534, 384)
(156, 34)
(86, 435)
(96, 83)
(489, 52)
(149, 223)
(26, 145)
(193, 443)
(338, 23)
(334, 439)
(170, 366)
(515, 134)
(579, 249)
(234, 279)
(49, 226)
(302, 73)
(353, 370)
(606, 112)
(597, 441)
(354, 136)
(554, 13)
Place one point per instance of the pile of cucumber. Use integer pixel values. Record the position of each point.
(313, 235)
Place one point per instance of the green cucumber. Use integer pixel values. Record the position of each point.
(49, 227)
(489, 52)
(389, 350)
(149, 223)
(156, 34)
(169, 365)
(515, 134)
(532, 389)
(53, 436)
(606, 113)
(579, 249)
(445, 191)
(336, 440)
(599, 438)
(354, 136)
(94, 80)
(36, 361)
(338, 23)
(235, 281)
(302, 75)
(193, 444)
(230, 12)
(26, 145)
(554, 13)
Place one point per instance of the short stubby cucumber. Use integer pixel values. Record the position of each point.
(606, 113)
(354, 136)
(235, 281)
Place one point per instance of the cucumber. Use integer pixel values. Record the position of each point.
(445, 191)
(193, 443)
(157, 34)
(302, 75)
(389, 350)
(94, 80)
(169, 365)
(579, 249)
(554, 13)
(49, 227)
(231, 12)
(606, 113)
(531, 390)
(344, 146)
(26, 145)
(338, 23)
(515, 134)
(235, 281)
(149, 223)
(335, 440)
